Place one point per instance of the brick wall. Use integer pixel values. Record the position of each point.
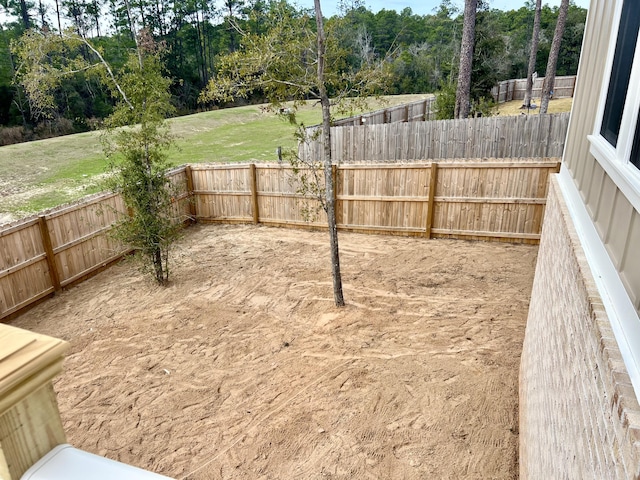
(579, 417)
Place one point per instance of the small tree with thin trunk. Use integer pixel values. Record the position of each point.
(296, 62)
(136, 139)
(550, 74)
(535, 38)
(328, 173)
(139, 158)
(463, 91)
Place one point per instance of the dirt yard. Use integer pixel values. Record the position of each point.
(243, 367)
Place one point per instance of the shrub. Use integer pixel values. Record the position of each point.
(446, 102)
(54, 128)
(12, 135)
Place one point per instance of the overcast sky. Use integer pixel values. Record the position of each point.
(424, 7)
(420, 7)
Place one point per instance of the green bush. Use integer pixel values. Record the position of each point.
(446, 101)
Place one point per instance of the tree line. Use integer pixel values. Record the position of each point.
(421, 52)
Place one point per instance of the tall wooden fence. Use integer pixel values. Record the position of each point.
(509, 90)
(520, 136)
(497, 200)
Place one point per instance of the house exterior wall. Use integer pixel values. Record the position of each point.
(579, 416)
(616, 220)
(579, 412)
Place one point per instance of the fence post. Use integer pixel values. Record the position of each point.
(432, 195)
(48, 249)
(190, 195)
(30, 422)
(254, 193)
(334, 180)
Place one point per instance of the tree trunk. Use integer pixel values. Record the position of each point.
(463, 90)
(24, 15)
(143, 17)
(41, 11)
(160, 18)
(202, 68)
(96, 13)
(328, 174)
(132, 28)
(550, 74)
(58, 15)
(535, 37)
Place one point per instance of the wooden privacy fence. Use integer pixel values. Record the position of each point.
(418, 111)
(45, 253)
(509, 90)
(519, 136)
(491, 199)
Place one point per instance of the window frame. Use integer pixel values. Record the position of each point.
(616, 160)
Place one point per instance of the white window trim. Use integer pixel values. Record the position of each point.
(615, 160)
(624, 174)
(622, 314)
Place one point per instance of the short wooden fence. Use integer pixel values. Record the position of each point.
(509, 90)
(522, 136)
(490, 200)
(418, 111)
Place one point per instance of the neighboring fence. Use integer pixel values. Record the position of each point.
(519, 136)
(515, 89)
(418, 111)
(498, 199)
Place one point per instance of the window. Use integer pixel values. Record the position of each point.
(616, 139)
(621, 71)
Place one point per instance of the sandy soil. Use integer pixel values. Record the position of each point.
(243, 368)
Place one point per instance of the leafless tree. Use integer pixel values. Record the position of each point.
(550, 75)
(463, 90)
(535, 37)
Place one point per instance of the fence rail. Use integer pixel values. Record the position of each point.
(521, 136)
(491, 199)
(515, 89)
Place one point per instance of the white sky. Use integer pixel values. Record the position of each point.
(420, 7)
(424, 7)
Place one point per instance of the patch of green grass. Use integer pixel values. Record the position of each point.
(251, 137)
(51, 198)
(45, 173)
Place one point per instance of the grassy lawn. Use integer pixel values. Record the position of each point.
(556, 105)
(46, 173)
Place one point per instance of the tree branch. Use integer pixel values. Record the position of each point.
(107, 67)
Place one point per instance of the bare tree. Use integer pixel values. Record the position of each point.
(550, 74)
(535, 38)
(328, 176)
(58, 16)
(462, 106)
